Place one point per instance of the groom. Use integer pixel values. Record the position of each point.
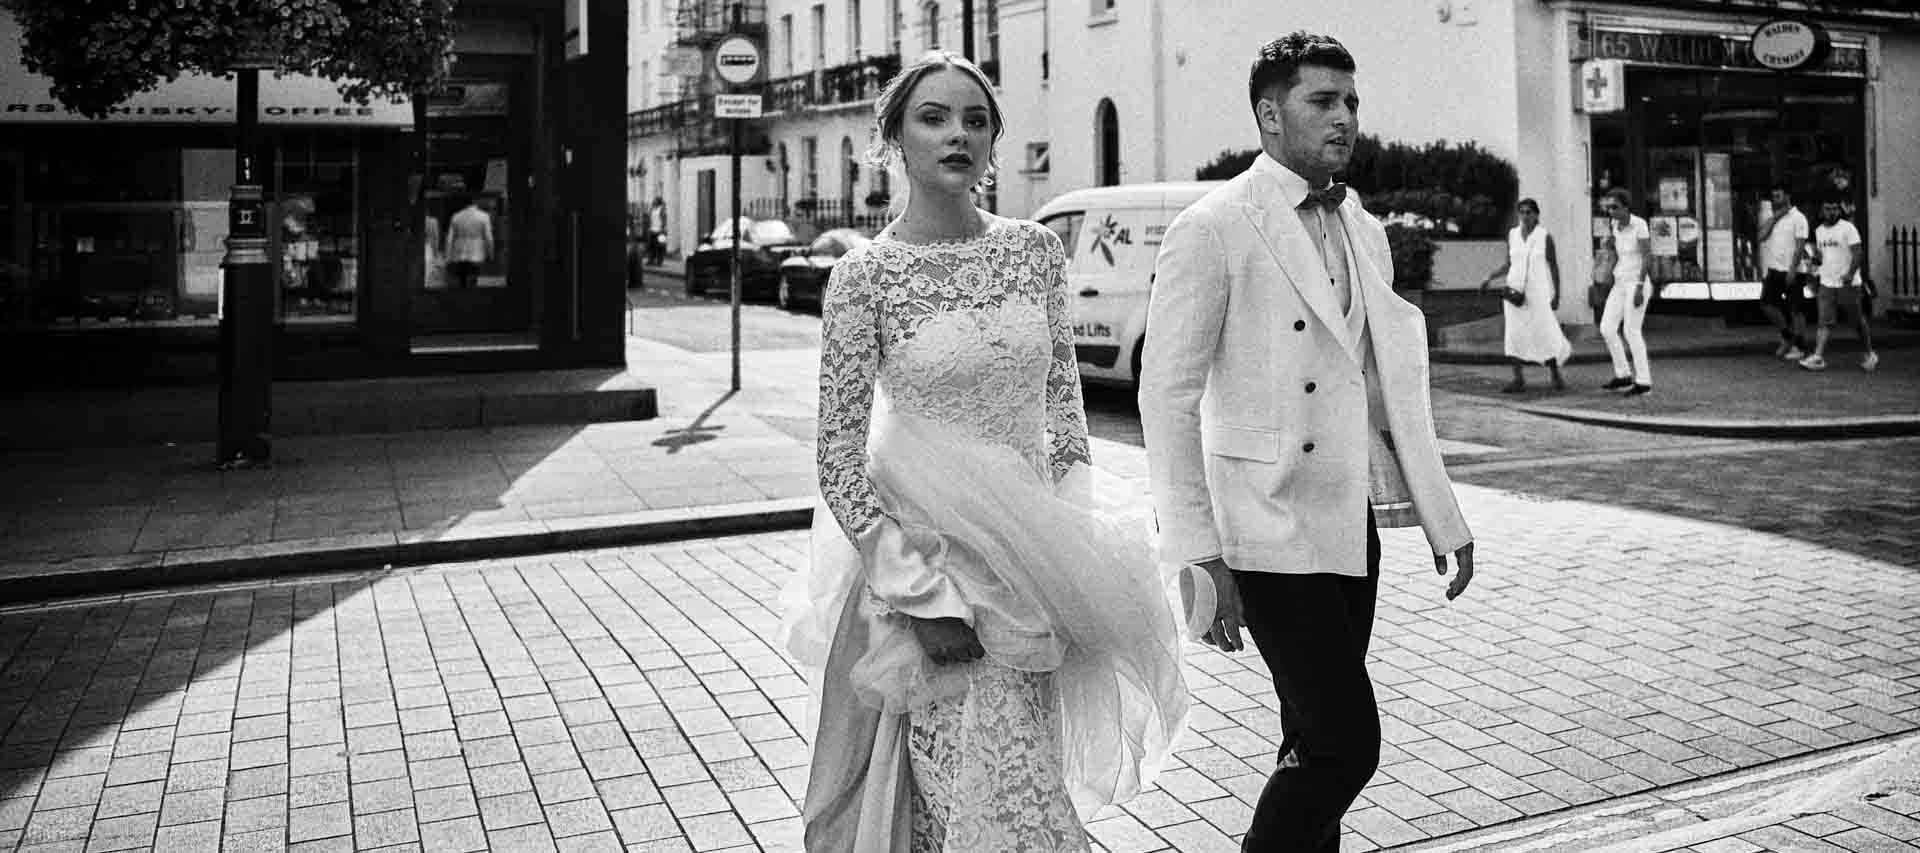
(1283, 394)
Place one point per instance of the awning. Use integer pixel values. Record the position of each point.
(26, 97)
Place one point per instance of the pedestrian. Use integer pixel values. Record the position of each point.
(1782, 242)
(1283, 398)
(1529, 300)
(657, 232)
(1626, 309)
(997, 662)
(1838, 252)
(469, 244)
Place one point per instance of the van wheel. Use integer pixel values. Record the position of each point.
(1138, 347)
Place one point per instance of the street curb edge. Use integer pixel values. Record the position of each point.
(340, 554)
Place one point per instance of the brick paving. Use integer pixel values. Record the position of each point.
(1619, 637)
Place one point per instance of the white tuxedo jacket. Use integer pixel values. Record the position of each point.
(1252, 397)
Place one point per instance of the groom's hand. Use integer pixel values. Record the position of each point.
(1227, 619)
(1463, 557)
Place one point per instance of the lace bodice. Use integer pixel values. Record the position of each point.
(974, 335)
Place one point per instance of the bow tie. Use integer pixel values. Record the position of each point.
(1327, 199)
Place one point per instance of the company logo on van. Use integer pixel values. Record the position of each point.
(1108, 235)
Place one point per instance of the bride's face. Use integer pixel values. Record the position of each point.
(946, 141)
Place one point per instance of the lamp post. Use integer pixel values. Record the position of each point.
(246, 305)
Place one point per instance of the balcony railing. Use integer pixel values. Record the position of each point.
(842, 85)
(852, 83)
(821, 213)
(665, 117)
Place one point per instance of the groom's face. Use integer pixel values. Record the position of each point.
(1317, 121)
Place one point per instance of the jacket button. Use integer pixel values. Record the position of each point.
(1299, 325)
(1310, 387)
(1308, 447)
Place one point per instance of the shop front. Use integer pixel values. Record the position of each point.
(112, 231)
(1698, 125)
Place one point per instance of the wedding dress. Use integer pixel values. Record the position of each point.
(954, 467)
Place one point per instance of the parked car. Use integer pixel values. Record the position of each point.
(766, 243)
(1112, 237)
(803, 277)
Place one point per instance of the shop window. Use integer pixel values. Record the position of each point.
(105, 238)
(316, 200)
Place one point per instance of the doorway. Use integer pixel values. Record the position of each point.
(476, 290)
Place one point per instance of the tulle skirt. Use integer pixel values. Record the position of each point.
(1054, 587)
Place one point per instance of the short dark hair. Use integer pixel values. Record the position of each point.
(1279, 61)
(1620, 196)
(1781, 187)
(1527, 202)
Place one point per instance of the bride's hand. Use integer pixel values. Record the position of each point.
(947, 640)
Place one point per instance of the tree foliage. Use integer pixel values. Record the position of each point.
(1461, 190)
(99, 53)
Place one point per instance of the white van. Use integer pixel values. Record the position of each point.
(1112, 235)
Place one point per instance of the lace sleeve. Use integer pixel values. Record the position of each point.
(849, 364)
(1066, 411)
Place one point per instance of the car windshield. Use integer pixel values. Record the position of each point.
(829, 246)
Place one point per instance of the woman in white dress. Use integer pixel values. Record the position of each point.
(992, 661)
(1532, 270)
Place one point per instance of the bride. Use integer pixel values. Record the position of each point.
(993, 660)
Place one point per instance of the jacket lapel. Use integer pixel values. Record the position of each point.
(1298, 258)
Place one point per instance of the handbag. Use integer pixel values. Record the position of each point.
(1513, 296)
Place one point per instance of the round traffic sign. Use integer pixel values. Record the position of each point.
(737, 59)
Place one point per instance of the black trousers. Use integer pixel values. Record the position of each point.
(1312, 631)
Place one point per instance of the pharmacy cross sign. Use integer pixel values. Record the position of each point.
(1597, 83)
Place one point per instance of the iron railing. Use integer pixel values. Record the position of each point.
(821, 213)
(1901, 288)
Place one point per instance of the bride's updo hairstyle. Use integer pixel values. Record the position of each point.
(890, 112)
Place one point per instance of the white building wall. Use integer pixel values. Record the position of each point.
(1023, 103)
(1893, 198)
(1420, 79)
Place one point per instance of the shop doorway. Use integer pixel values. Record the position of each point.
(1700, 152)
(476, 289)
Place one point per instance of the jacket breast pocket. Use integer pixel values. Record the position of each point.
(1258, 445)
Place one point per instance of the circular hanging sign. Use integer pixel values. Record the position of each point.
(1788, 45)
(737, 60)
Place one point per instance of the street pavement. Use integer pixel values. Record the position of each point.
(1670, 641)
(1620, 637)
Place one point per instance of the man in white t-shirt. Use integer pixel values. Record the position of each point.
(1782, 241)
(1626, 309)
(1837, 254)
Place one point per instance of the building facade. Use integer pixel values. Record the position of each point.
(1697, 129)
(807, 158)
(112, 231)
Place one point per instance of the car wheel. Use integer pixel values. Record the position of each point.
(696, 282)
(785, 297)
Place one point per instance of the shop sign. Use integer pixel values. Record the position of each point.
(1603, 86)
(1788, 45)
(1702, 50)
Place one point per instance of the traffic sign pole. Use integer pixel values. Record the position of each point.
(734, 264)
(737, 61)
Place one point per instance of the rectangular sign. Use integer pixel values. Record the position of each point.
(26, 98)
(736, 106)
(1698, 50)
(1603, 85)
